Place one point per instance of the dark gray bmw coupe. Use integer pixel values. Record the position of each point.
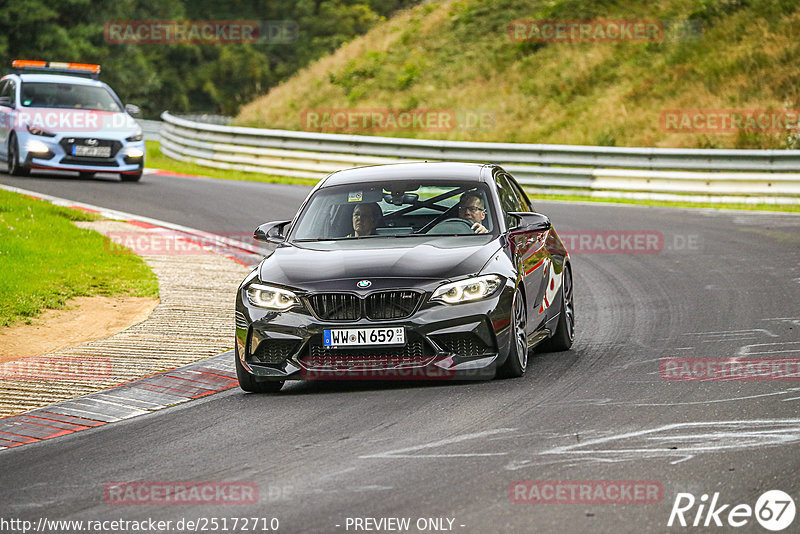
(409, 271)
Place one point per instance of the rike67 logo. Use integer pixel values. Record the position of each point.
(774, 510)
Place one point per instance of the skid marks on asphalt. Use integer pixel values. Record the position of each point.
(731, 335)
(642, 404)
(677, 442)
(732, 344)
(412, 452)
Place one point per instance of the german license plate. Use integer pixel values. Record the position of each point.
(355, 337)
(91, 151)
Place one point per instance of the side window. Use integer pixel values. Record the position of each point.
(509, 199)
(526, 203)
(10, 91)
(4, 90)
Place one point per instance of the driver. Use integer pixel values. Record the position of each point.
(365, 219)
(470, 208)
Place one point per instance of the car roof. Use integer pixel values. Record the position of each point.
(434, 171)
(60, 78)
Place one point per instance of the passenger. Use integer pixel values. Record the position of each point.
(365, 219)
(470, 208)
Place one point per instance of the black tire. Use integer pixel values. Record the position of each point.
(131, 177)
(14, 167)
(86, 175)
(565, 329)
(248, 382)
(517, 361)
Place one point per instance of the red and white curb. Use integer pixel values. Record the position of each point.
(139, 397)
(171, 174)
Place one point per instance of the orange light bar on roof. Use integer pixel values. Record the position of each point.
(55, 65)
(24, 63)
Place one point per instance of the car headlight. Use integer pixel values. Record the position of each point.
(35, 130)
(36, 147)
(135, 137)
(468, 290)
(273, 298)
(133, 152)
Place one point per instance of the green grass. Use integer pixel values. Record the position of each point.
(157, 160)
(535, 195)
(45, 260)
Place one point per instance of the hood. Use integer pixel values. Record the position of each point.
(78, 122)
(311, 264)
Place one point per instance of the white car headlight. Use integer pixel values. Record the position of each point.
(273, 298)
(468, 290)
(36, 146)
(133, 152)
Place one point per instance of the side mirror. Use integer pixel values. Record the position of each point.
(531, 222)
(524, 235)
(271, 232)
(5, 101)
(133, 110)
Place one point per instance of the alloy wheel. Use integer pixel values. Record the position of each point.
(569, 306)
(520, 323)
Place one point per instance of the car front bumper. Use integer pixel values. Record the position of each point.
(462, 341)
(58, 159)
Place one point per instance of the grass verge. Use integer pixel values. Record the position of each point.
(46, 260)
(792, 208)
(157, 160)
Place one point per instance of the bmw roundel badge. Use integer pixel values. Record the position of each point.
(363, 284)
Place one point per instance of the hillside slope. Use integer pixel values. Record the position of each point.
(459, 58)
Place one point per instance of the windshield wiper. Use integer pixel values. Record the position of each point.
(316, 239)
(372, 236)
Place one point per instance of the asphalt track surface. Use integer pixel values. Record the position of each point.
(724, 285)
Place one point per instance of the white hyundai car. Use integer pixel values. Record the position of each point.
(54, 117)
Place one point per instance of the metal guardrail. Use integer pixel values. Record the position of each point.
(314, 155)
(151, 129)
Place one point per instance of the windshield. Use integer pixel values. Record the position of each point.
(67, 95)
(396, 209)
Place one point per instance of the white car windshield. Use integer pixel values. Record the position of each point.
(67, 95)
